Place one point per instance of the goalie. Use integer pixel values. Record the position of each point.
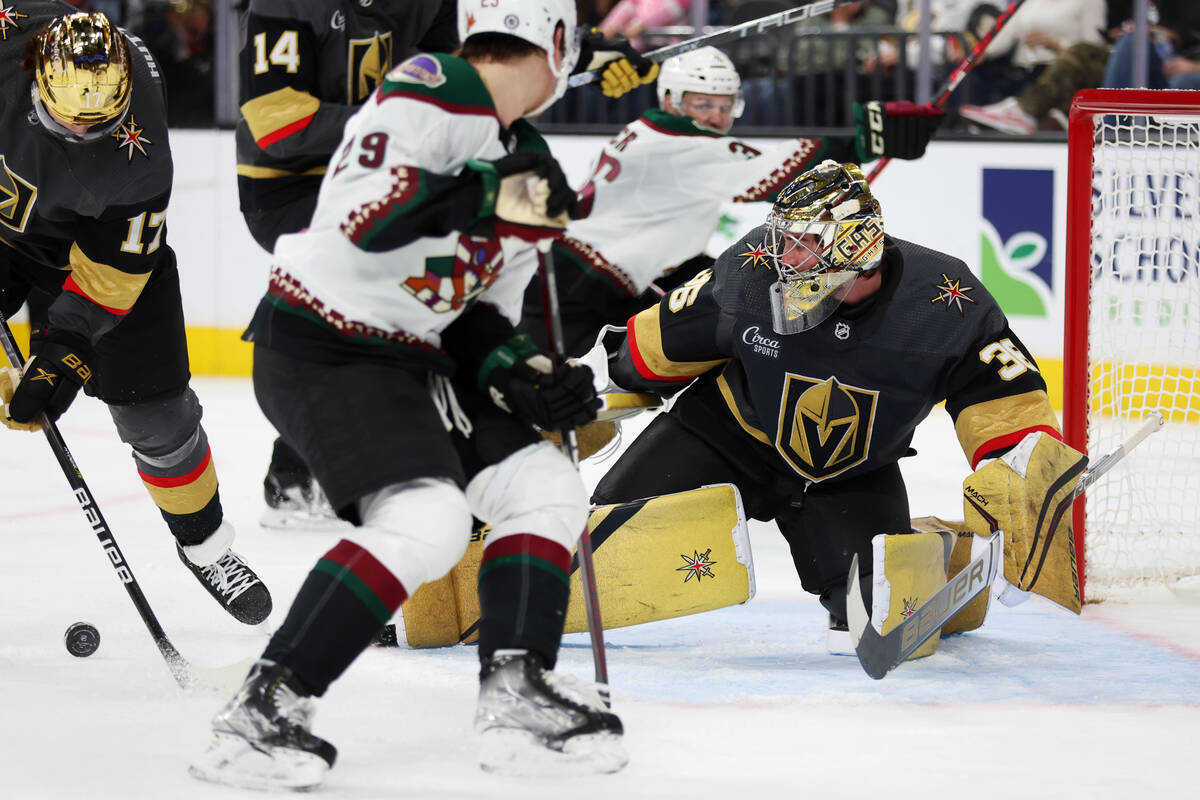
(807, 356)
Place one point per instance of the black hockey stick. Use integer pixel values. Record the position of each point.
(587, 568)
(879, 654)
(181, 670)
(960, 72)
(751, 28)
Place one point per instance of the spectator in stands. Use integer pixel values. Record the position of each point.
(179, 34)
(1060, 46)
(1174, 55)
(629, 18)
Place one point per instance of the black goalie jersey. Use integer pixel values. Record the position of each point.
(843, 398)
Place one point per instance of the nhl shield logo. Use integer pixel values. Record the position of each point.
(824, 425)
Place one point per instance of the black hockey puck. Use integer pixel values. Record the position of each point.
(82, 639)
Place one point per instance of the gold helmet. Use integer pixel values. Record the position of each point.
(82, 75)
(824, 230)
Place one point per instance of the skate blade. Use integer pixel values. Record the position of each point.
(232, 761)
(505, 751)
(279, 520)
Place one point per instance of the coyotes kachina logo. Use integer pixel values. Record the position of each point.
(697, 566)
(824, 425)
(451, 282)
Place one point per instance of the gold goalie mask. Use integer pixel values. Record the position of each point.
(825, 229)
(82, 76)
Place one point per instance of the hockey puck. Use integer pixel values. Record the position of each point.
(82, 639)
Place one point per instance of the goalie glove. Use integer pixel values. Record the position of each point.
(51, 379)
(624, 68)
(521, 380)
(894, 130)
(527, 195)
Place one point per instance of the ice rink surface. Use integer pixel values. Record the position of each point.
(743, 702)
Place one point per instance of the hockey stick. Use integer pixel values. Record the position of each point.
(587, 567)
(960, 72)
(881, 654)
(181, 670)
(751, 28)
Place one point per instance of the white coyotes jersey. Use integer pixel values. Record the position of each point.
(657, 188)
(431, 114)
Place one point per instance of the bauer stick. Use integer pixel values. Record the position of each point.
(881, 654)
(181, 670)
(587, 567)
(751, 28)
(960, 72)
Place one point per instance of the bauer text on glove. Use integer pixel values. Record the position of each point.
(894, 130)
(52, 379)
(624, 68)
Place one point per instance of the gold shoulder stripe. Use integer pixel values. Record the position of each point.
(994, 420)
(104, 285)
(278, 114)
(647, 351)
(251, 171)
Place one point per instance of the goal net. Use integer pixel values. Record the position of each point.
(1132, 332)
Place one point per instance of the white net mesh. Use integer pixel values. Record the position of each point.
(1143, 519)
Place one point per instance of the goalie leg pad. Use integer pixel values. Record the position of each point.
(1028, 494)
(909, 569)
(973, 614)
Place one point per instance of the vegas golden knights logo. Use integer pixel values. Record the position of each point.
(16, 198)
(824, 426)
(370, 60)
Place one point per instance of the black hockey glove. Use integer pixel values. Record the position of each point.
(52, 378)
(625, 69)
(894, 130)
(527, 194)
(521, 380)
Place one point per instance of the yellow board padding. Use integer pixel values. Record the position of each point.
(1130, 390)
(1027, 495)
(973, 614)
(658, 558)
(909, 569)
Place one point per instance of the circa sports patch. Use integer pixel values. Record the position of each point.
(423, 69)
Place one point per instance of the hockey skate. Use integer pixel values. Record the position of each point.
(532, 721)
(838, 641)
(261, 738)
(298, 505)
(233, 584)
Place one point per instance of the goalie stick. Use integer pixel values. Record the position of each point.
(751, 28)
(960, 72)
(180, 669)
(587, 567)
(880, 654)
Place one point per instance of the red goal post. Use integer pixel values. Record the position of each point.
(1132, 331)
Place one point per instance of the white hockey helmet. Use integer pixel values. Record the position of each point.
(532, 20)
(706, 70)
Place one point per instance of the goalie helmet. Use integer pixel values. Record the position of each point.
(705, 70)
(82, 75)
(823, 231)
(533, 21)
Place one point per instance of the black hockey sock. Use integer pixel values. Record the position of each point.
(287, 466)
(524, 585)
(346, 599)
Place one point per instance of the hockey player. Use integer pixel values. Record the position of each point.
(656, 191)
(412, 269)
(813, 348)
(305, 69)
(87, 165)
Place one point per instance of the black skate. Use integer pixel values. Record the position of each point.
(534, 722)
(234, 585)
(296, 502)
(261, 738)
